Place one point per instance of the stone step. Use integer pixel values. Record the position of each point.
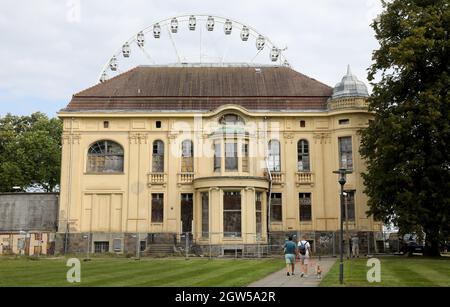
(159, 249)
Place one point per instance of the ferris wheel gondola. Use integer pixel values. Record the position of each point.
(245, 32)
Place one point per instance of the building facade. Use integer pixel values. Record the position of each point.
(234, 156)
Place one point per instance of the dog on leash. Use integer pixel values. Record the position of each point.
(319, 272)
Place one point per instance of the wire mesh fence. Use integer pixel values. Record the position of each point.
(228, 244)
(252, 245)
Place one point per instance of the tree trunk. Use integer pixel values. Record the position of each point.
(432, 243)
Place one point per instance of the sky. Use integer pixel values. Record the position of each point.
(52, 49)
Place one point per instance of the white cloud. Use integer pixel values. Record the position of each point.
(48, 56)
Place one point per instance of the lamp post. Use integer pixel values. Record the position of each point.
(342, 172)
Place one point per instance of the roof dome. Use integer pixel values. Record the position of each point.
(350, 86)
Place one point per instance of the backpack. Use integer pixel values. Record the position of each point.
(302, 247)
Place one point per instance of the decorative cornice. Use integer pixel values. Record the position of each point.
(138, 138)
(73, 138)
(322, 138)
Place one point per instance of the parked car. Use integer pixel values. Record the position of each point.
(408, 244)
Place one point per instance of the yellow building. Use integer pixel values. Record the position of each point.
(238, 156)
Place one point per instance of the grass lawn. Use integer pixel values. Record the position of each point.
(396, 271)
(146, 272)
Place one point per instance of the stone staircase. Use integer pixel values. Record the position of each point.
(160, 250)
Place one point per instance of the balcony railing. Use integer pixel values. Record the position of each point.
(185, 178)
(156, 179)
(277, 177)
(304, 178)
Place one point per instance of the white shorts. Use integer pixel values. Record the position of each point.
(304, 259)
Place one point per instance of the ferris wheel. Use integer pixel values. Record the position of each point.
(145, 45)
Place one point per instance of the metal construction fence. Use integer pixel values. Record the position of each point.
(191, 244)
(271, 244)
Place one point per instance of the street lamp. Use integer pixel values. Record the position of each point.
(342, 172)
(88, 238)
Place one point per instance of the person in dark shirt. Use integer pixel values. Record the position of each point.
(290, 252)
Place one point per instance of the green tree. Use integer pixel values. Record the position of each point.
(30, 152)
(407, 145)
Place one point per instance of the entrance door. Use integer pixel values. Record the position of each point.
(187, 212)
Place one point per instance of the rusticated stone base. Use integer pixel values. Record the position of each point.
(323, 243)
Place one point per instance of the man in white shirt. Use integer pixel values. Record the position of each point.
(304, 249)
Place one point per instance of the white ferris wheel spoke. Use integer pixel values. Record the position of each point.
(221, 53)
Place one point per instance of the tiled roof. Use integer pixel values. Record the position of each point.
(204, 88)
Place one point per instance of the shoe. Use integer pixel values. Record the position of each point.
(292, 273)
(306, 275)
(301, 275)
(287, 273)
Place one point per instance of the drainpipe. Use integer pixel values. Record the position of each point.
(69, 196)
(269, 201)
(269, 198)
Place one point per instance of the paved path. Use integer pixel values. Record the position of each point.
(279, 279)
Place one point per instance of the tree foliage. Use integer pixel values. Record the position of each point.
(407, 145)
(30, 152)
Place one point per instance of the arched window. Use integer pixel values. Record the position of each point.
(231, 119)
(303, 156)
(274, 156)
(187, 156)
(158, 157)
(105, 157)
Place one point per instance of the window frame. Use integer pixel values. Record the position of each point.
(259, 212)
(120, 155)
(157, 220)
(301, 153)
(158, 155)
(274, 159)
(187, 161)
(205, 215)
(280, 206)
(308, 206)
(217, 149)
(234, 157)
(352, 212)
(232, 212)
(348, 152)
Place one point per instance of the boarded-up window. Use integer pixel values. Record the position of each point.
(157, 207)
(187, 156)
(258, 210)
(276, 212)
(117, 245)
(105, 157)
(158, 157)
(232, 214)
(102, 213)
(345, 152)
(303, 156)
(205, 214)
(305, 207)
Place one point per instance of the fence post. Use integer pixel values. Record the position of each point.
(209, 236)
(334, 247)
(187, 244)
